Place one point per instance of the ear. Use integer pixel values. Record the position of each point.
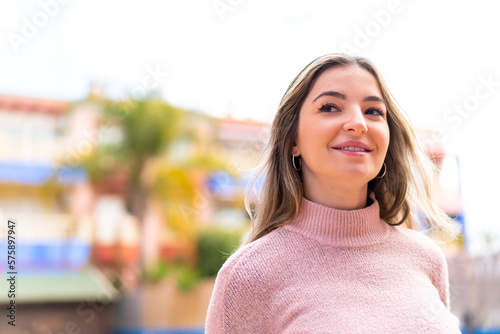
(295, 150)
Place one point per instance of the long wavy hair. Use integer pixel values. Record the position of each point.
(404, 194)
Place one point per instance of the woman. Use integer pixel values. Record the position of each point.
(332, 249)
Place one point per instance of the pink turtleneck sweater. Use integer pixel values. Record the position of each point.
(334, 271)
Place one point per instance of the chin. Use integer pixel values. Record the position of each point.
(357, 177)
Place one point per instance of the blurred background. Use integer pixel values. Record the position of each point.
(129, 131)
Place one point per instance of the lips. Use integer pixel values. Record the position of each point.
(353, 146)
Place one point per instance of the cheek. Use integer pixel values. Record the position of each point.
(383, 138)
(305, 132)
(313, 136)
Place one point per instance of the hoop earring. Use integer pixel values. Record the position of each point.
(293, 163)
(385, 170)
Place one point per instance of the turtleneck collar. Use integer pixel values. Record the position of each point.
(341, 228)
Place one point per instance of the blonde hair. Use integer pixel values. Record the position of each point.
(404, 194)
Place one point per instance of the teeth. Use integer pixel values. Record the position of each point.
(351, 148)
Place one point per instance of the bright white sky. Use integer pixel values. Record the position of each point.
(241, 57)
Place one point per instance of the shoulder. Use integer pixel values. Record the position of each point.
(255, 260)
(421, 245)
(431, 259)
(243, 287)
(418, 238)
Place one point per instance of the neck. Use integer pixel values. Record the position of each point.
(341, 228)
(340, 196)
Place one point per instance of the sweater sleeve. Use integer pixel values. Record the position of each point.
(440, 278)
(218, 312)
(235, 305)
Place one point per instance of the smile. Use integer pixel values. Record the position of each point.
(352, 151)
(352, 148)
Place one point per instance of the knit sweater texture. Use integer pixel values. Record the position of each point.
(334, 271)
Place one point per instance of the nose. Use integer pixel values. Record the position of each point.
(355, 122)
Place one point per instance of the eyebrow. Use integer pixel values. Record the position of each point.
(341, 96)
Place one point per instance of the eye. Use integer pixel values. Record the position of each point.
(375, 111)
(329, 108)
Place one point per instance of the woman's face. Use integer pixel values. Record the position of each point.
(343, 135)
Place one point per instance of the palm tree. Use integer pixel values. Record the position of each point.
(159, 152)
(147, 128)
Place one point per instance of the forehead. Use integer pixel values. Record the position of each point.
(348, 80)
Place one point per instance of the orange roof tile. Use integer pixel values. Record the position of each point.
(54, 107)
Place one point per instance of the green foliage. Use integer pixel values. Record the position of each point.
(214, 247)
(149, 126)
(146, 127)
(187, 278)
(102, 161)
(158, 271)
